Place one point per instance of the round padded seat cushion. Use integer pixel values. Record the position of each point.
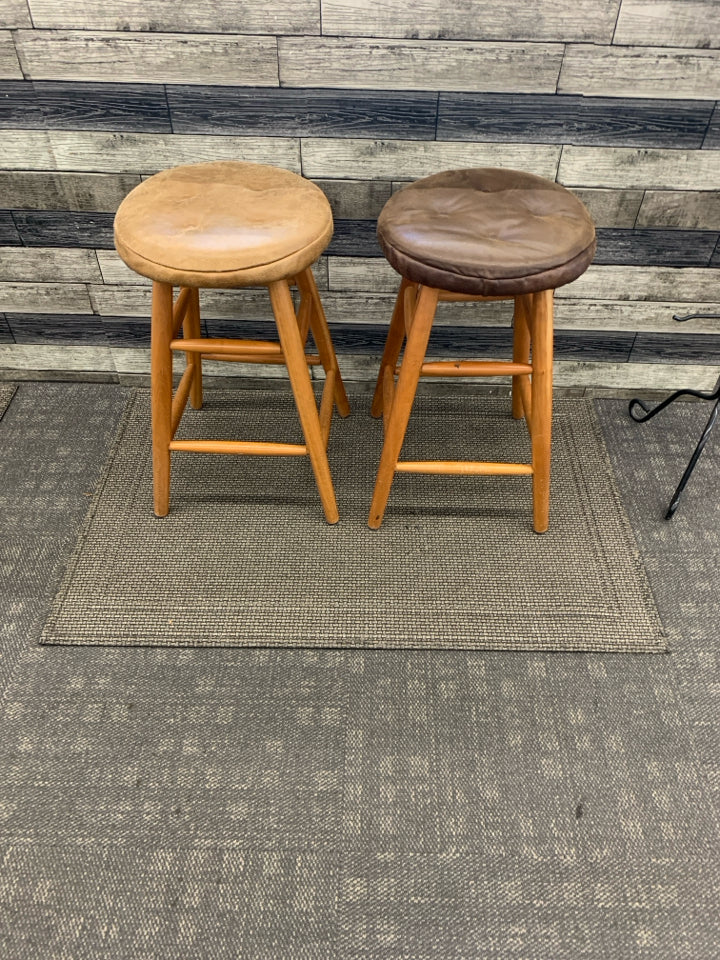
(488, 232)
(222, 224)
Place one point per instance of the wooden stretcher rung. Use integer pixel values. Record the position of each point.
(180, 309)
(179, 401)
(312, 360)
(225, 346)
(388, 394)
(465, 467)
(243, 447)
(526, 399)
(473, 368)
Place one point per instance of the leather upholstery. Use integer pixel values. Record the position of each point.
(222, 224)
(487, 232)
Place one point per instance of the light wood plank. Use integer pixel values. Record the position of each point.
(48, 264)
(25, 149)
(669, 23)
(9, 66)
(148, 57)
(44, 298)
(627, 167)
(32, 190)
(681, 209)
(611, 208)
(134, 301)
(220, 16)
(146, 152)
(356, 199)
(419, 65)
(590, 20)
(647, 316)
(15, 13)
(385, 159)
(671, 73)
(44, 359)
(629, 376)
(669, 284)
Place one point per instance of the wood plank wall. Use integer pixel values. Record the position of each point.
(616, 99)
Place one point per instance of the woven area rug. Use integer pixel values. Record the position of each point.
(246, 559)
(7, 391)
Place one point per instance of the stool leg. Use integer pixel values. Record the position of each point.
(393, 346)
(541, 323)
(161, 393)
(415, 348)
(191, 329)
(297, 368)
(521, 349)
(323, 340)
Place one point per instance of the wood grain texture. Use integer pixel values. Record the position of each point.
(356, 199)
(669, 248)
(611, 208)
(311, 113)
(672, 74)
(9, 65)
(683, 209)
(689, 285)
(148, 153)
(19, 106)
(591, 20)
(624, 168)
(64, 228)
(139, 108)
(669, 23)
(354, 238)
(712, 139)
(135, 301)
(676, 348)
(115, 272)
(361, 274)
(44, 298)
(220, 16)
(64, 191)
(5, 333)
(9, 236)
(57, 328)
(419, 65)
(387, 159)
(35, 359)
(15, 13)
(633, 376)
(147, 57)
(25, 149)
(36, 264)
(715, 260)
(532, 118)
(639, 315)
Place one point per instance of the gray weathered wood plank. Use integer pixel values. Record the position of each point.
(65, 228)
(654, 247)
(48, 264)
(26, 150)
(44, 298)
(9, 236)
(52, 328)
(611, 208)
(9, 65)
(148, 57)
(188, 16)
(590, 20)
(15, 13)
(625, 168)
(356, 199)
(419, 65)
(650, 316)
(387, 159)
(676, 347)
(134, 300)
(712, 138)
(137, 108)
(670, 73)
(669, 23)
(32, 190)
(148, 153)
(683, 209)
(38, 358)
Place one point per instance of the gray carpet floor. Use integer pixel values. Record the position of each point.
(225, 803)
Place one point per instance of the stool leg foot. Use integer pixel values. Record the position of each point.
(541, 323)
(393, 346)
(323, 340)
(402, 404)
(161, 393)
(521, 349)
(301, 384)
(191, 329)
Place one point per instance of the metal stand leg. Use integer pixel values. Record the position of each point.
(648, 413)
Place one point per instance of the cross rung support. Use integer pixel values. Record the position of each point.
(388, 388)
(179, 401)
(474, 468)
(312, 360)
(243, 447)
(474, 368)
(326, 405)
(526, 398)
(180, 309)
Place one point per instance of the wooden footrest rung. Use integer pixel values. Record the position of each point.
(475, 468)
(223, 345)
(243, 447)
(474, 368)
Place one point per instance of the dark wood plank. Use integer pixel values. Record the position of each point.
(41, 190)
(607, 121)
(660, 248)
(65, 228)
(9, 236)
(356, 199)
(676, 347)
(67, 328)
(712, 140)
(5, 332)
(139, 108)
(715, 259)
(293, 113)
(355, 238)
(18, 105)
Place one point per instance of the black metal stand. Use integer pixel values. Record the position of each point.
(649, 413)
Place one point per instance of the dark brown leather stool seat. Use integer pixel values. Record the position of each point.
(232, 224)
(478, 234)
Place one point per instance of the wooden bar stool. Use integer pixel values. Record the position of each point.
(231, 224)
(479, 234)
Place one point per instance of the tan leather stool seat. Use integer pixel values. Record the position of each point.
(487, 232)
(223, 224)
